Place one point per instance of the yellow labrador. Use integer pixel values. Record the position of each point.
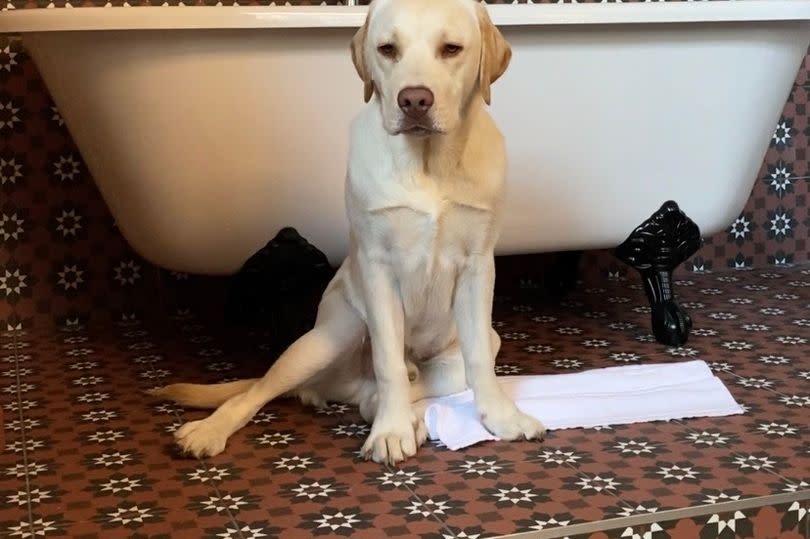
(408, 314)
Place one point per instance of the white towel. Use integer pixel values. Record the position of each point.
(597, 397)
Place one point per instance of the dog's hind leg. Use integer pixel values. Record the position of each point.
(337, 330)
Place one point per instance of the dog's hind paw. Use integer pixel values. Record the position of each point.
(202, 438)
(309, 397)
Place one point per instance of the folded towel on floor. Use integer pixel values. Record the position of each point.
(598, 397)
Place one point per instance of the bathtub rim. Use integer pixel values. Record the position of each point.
(234, 17)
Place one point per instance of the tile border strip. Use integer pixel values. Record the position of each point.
(663, 516)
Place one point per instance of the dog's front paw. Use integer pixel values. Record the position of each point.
(393, 439)
(203, 438)
(507, 422)
(420, 429)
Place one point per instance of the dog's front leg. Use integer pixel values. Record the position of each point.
(473, 314)
(393, 431)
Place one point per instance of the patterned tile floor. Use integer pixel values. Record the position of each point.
(87, 455)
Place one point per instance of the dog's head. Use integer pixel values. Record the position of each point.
(426, 60)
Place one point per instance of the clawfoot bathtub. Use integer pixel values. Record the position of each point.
(208, 129)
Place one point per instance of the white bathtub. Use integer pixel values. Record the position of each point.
(208, 129)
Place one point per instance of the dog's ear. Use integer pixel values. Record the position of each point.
(495, 52)
(358, 47)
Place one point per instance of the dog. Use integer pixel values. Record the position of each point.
(408, 315)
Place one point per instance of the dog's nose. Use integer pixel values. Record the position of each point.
(415, 101)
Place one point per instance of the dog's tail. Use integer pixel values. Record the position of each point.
(205, 396)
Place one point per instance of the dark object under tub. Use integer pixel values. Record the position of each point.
(278, 289)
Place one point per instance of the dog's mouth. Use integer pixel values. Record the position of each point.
(418, 127)
(418, 131)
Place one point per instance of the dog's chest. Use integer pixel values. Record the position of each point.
(428, 242)
(428, 247)
(433, 232)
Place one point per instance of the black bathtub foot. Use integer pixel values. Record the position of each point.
(654, 249)
(561, 277)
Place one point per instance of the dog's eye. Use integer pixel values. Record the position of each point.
(388, 50)
(451, 49)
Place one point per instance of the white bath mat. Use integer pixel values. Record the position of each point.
(608, 396)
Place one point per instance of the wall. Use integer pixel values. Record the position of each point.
(61, 257)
